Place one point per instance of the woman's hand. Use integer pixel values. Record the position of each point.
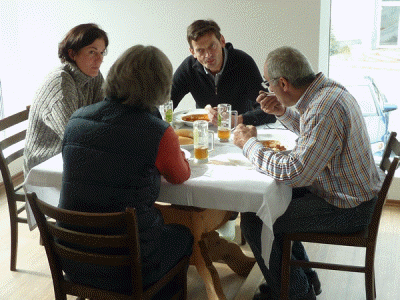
(270, 104)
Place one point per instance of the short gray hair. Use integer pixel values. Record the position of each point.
(141, 77)
(291, 64)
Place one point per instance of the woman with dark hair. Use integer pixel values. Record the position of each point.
(76, 83)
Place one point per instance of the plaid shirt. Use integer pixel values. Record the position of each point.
(332, 155)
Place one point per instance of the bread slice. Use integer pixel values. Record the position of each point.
(184, 132)
(183, 140)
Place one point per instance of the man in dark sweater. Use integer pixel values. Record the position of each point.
(217, 73)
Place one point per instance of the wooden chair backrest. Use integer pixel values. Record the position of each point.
(389, 164)
(55, 238)
(11, 140)
(392, 148)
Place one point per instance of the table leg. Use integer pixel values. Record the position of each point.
(220, 249)
(208, 246)
(201, 260)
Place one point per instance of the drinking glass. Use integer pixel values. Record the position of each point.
(167, 111)
(202, 138)
(225, 113)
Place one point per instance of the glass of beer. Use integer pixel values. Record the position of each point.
(224, 122)
(202, 138)
(167, 111)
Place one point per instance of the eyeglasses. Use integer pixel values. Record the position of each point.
(266, 84)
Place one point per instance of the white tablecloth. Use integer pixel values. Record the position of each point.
(227, 182)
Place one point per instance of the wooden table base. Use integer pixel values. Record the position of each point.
(208, 246)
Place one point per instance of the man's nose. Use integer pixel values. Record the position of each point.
(99, 57)
(208, 53)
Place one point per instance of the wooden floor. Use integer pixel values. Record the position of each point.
(33, 280)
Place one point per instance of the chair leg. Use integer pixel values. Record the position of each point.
(183, 281)
(41, 243)
(14, 244)
(370, 285)
(242, 239)
(285, 272)
(370, 289)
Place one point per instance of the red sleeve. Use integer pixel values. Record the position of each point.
(171, 161)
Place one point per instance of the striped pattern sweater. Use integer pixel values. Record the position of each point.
(64, 90)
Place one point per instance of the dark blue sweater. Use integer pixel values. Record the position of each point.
(239, 86)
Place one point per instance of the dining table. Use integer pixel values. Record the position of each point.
(226, 184)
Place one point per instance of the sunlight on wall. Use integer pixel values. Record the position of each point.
(32, 30)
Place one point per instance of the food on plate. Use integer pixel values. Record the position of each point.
(183, 140)
(184, 132)
(274, 145)
(195, 117)
(185, 136)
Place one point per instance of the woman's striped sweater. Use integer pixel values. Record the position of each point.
(64, 91)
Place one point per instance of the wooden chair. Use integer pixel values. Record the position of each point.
(392, 148)
(54, 239)
(15, 194)
(365, 239)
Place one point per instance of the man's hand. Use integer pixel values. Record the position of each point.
(270, 104)
(212, 114)
(243, 133)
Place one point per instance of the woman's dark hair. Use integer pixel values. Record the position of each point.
(202, 27)
(78, 38)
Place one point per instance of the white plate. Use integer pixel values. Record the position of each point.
(188, 147)
(192, 112)
(187, 153)
(285, 137)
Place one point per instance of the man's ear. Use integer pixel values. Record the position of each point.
(284, 83)
(71, 54)
(192, 51)
(222, 41)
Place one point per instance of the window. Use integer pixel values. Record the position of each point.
(362, 92)
(365, 47)
(389, 24)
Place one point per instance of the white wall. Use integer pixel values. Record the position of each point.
(30, 31)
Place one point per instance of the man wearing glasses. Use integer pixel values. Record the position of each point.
(217, 73)
(331, 169)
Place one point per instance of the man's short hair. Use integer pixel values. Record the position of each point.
(141, 77)
(291, 64)
(200, 28)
